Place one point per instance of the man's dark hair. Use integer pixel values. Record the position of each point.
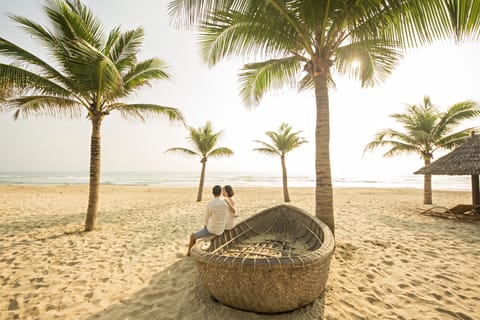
(217, 190)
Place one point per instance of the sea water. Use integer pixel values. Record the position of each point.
(236, 179)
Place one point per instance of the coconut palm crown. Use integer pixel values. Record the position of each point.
(426, 130)
(283, 142)
(204, 142)
(90, 73)
(304, 43)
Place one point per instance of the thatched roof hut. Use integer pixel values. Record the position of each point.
(464, 160)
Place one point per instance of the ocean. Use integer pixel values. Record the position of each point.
(236, 179)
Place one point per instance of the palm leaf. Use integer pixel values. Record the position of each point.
(142, 111)
(91, 71)
(45, 106)
(22, 56)
(267, 151)
(183, 150)
(258, 31)
(220, 153)
(376, 60)
(141, 73)
(123, 53)
(457, 113)
(267, 148)
(257, 78)
(73, 21)
(191, 12)
(113, 37)
(37, 32)
(455, 139)
(17, 78)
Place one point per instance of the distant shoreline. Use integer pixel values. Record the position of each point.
(238, 179)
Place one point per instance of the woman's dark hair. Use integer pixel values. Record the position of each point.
(228, 189)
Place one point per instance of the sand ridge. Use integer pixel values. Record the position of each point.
(389, 263)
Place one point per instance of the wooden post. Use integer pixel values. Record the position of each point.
(475, 190)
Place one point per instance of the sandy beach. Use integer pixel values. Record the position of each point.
(390, 262)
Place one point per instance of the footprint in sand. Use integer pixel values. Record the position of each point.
(388, 262)
(403, 286)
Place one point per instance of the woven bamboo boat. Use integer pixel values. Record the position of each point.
(275, 261)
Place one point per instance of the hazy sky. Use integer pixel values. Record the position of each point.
(447, 73)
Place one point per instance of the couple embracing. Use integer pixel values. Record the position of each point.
(220, 215)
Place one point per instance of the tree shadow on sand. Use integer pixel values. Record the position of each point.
(176, 293)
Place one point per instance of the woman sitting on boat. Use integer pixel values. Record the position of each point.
(231, 207)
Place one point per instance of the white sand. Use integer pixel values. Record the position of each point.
(389, 263)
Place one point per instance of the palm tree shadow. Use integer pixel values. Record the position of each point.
(176, 293)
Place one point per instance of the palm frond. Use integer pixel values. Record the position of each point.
(456, 114)
(376, 59)
(419, 22)
(74, 21)
(267, 151)
(220, 153)
(44, 106)
(46, 37)
(463, 19)
(267, 148)
(194, 12)
(257, 78)
(454, 140)
(203, 138)
(22, 56)
(124, 51)
(426, 129)
(390, 137)
(92, 72)
(204, 141)
(259, 31)
(17, 78)
(113, 37)
(184, 151)
(283, 141)
(142, 111)
(400, 148)
(143, 72)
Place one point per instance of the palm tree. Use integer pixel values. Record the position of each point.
(204, 141)
(426, 130)
(301, 43)
(91, 71)
(283, 142)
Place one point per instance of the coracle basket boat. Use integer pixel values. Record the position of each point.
(275, 261)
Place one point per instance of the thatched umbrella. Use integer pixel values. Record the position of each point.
(464, 160)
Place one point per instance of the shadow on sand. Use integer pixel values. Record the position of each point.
(176, 293)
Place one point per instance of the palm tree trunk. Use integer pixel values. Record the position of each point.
(94, 175)
(323, 187)
(202, 180)
(427, 184)
(286, 197)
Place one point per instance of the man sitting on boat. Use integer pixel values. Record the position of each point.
(214, 218)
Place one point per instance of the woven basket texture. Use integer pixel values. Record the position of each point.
(271, 275)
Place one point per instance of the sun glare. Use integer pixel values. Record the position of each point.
(355, 64)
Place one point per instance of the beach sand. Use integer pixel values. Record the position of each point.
(390, 262)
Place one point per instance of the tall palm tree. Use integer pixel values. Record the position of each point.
(204, 142)
(283, 142)
(301, 43)
(426, 130)
(90, 72)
